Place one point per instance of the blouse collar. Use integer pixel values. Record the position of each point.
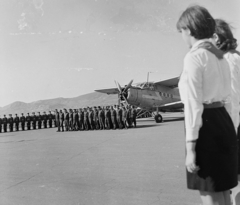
(196, 44)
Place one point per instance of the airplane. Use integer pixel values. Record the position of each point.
(151, 96)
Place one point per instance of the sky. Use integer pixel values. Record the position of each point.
(66, 48)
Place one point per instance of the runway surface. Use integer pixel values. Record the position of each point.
(139, 166)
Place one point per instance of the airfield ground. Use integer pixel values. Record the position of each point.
(140, 166)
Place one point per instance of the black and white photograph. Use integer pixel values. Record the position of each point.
(119, 102)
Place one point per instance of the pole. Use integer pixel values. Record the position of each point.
(147, 78)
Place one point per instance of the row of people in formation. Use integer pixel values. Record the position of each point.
(27, 122)
(95, 118)
(76, 119)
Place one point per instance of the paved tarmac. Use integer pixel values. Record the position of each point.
(139, 166)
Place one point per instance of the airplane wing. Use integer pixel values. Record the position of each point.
(174, 105)
(109, 91)
(171, 82)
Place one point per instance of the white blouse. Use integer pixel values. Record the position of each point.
(205, 79)
(234, 64)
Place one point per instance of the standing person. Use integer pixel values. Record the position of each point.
(44, 119)
(10, 122)
(85, 119)
(128, 114)
(22, 120)
(39, 120)
(95, 118)
(224, 40)
(124, 117)
(107, 117)
(113, 117)
(5, 122)
(57, 120)
(90, 117)
(34, 120)
(80, 120)
(205, 89)
(61, 120)
(134, 116)
(50, 119)
(101, 118)
(75, 120)
(16, 122)
(28, 119)
(70, 120)
(66, 120)
(119, 117)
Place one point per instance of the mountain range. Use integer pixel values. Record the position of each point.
(90, 99)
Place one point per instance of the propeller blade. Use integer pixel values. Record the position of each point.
(118, 86)
(128, 86)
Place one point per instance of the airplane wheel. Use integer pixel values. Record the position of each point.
(158, 118)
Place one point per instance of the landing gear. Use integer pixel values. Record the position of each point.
(158, 118)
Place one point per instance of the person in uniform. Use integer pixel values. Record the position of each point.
(1, 125)
(70, 120)
(107, 117)
(34, 120)
(85, 119)
(44, 119)
(10, 122)
(22, 120)
(119, 117)
(57, 120)
(90, 117)
(113, 117)
(66, 119)
(205, 90)
(101, 118)
(28, 119)
(75, 120)
(61, 120)
(128, 116)
(134, 116)
(80, 119)
(16, 122)
(39, 120)
(5, 123)
(50, 118)
(95, 118)
(124, 117)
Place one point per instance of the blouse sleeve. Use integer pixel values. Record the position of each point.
(193, 104)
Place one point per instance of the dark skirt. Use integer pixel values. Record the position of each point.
(216, 153)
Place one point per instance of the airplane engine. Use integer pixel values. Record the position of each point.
(132, 97)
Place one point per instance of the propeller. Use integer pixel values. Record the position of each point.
(123, 92)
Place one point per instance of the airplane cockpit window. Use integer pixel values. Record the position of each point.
(145, 85)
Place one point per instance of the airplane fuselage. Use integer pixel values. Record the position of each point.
(152, 97)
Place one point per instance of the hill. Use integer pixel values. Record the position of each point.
(90, 99)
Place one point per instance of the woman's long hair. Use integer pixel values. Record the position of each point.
(226, 40)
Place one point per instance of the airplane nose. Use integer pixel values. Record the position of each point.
(132, 96)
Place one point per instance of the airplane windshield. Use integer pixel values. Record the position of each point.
(145, 85)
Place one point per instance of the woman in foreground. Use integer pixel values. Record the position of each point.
(224, 40)
(205, 90)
